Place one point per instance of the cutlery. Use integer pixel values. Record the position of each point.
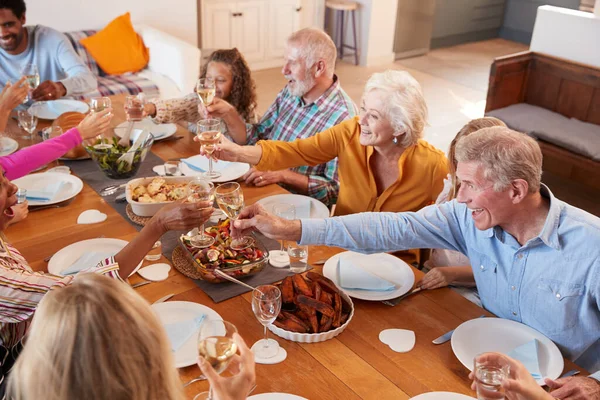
(107, 191)
(393, 302)
(139, 142)
(57, 205)
(122, 198)
(124, 141)
(320, 262)
(163, 299)
(172, 139)
(446, 336)
(52, 255)
(231, 279)
(137, 285)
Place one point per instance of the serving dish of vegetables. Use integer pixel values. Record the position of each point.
(107, 157)
(236, 263)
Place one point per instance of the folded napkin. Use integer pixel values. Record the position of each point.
(85, 261)
(200, 164)
(193, 163)
(45, 194)
(528, 355)
(180, 332)
(352, 275)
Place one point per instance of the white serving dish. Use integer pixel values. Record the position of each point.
(149, 209)
(314, 337)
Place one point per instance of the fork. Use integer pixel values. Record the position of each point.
(59, 205)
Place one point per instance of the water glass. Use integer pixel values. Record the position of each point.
(27, 121)
(21, 195)
(50, 132)
(99, 104)
(489, 375)
(266, 304)
(287, 211)
(172, 168)
(155, 252)
(298, 257)
(134, 108)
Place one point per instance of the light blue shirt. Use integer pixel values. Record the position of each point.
(552, 283)
(55, 58)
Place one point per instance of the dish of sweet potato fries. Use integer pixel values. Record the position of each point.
(311, 304)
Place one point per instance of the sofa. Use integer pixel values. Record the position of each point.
(172, 71)
(557, 102)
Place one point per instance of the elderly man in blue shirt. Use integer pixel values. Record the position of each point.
(535, 259)
(61, 70)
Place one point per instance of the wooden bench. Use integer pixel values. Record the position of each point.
(558, 85)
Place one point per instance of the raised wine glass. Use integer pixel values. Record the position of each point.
(98, 104)
(231, 200)
(205, 89)
(209, 133)
(32, 76)
(27, 121)
(216, 345)
(266, 304)
(201, 190)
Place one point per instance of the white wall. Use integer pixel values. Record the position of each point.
(176, 17)
(569, 34)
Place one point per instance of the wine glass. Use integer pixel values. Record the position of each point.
(27, 121)
(266, 304)
(216, 345)
(98, 104)
(201, 190)
(209, 133)
(32, 76)
(231, 201)
(287, 211)
(134, 108)
(205, 89)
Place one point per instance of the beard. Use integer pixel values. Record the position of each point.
(14, 44)
(300, 88)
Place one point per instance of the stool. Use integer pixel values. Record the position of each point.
(340, 7)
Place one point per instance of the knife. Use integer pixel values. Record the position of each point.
(393, 302)
(163, 299)
(137, 285)
(446, 336)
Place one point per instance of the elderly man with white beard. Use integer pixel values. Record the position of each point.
(311, 102)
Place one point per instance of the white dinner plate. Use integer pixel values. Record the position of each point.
(483, 335)
(170, 312)
(7, 146)
(442, 396)
(159, 131)
(55, 108)
(71, 187)
(276, 396)
(66, 256)
(317, 209)
(230, 171)
(394, 270)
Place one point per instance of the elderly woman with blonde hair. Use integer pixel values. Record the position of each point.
(97, 339)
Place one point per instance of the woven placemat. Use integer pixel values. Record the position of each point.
(136, 219)
(182, 264)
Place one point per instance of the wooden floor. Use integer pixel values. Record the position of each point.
(454, 81)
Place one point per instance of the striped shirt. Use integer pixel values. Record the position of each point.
(289, 118)
(21, 290)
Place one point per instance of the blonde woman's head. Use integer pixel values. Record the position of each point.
(95, 339)
(471, 127)
(393, 109)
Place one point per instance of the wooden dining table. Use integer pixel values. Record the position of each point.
(353, 365)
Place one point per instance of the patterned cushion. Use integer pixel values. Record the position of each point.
(74, 38)
(122, 84)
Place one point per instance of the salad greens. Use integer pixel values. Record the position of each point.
(107, 159)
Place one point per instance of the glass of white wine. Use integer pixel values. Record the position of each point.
(205, 89)
(32, 76)
(216, 345)
(231, 201)
(27, 121)
(97, 105)
(266, 304)
(201, 190)
(209, 133)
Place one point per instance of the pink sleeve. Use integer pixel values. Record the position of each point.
(26, 160)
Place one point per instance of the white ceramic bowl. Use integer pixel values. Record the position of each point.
(149, 209)
(315, 337)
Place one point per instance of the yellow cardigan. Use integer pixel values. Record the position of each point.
(422, 169)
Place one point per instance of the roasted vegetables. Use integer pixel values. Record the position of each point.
(311, 304)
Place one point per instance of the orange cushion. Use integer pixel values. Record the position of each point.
(118, 48)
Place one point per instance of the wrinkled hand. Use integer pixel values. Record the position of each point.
(436, 278)
(13, 95)
(255, 217)
(95, 123)
(48, 90)
(264, 178)
(238, 386)
(179, 216)
(226, 150)
(21, 211)
(574, 388)
(520, 385)
(219, 108)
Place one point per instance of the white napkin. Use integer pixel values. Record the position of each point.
(45, 194)
(200, 163)
(180, 332)
(86, 260)
(194, 164)
(352, 275)
(528, 355)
